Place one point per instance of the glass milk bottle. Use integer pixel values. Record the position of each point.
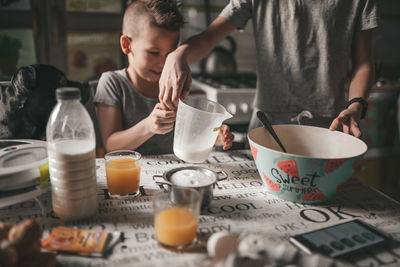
(71, 146)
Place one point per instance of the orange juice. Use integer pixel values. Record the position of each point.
(176, 226)
(123, 176)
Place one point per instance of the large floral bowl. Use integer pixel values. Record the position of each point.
(318, 161)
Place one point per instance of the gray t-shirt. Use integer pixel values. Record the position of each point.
(115, 89)
(304, 50)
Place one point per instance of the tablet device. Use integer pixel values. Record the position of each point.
(341, 239)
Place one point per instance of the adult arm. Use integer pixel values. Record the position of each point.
(176, 77)
(360, 85)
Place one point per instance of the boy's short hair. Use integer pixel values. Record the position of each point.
(162, 13)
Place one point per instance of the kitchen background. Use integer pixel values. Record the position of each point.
(81, 37)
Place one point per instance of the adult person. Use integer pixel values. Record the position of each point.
(303, 51)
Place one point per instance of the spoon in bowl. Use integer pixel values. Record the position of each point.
(268, 126)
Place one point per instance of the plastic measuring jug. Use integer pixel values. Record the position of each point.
(196, 128)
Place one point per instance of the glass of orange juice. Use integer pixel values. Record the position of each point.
(123, 173)
(176, 217)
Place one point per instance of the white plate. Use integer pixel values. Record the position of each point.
(20, 160)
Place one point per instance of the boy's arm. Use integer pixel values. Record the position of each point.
(360, 85)
(176, 78)
(114, 137)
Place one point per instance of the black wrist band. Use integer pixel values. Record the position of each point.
(363, 103)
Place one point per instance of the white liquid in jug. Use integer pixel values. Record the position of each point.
(66, 158)
(193, 156)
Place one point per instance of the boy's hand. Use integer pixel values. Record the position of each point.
(348, 119)
(175, 80)
(161, 121)
(225, 137)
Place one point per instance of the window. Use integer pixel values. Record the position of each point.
(16, 37)
(80, 37)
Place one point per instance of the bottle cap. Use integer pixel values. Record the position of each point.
(68, 93)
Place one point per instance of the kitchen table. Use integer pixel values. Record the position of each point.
(240, 204)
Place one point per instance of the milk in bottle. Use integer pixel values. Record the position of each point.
(72, 157)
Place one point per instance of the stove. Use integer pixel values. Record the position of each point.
(235, 93)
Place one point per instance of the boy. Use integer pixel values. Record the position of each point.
(130, 116)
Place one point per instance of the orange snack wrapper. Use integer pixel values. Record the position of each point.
(80, 241)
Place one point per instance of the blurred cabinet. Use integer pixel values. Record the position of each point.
(93, 31)
(380, 127)
(380, 169)
(380, 166)
(387, 39)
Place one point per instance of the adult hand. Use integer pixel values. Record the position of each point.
(175, 80)
(348, 119)
(225, 137)
(161, 121)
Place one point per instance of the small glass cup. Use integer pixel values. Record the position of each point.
(176, 217)
(123, 173)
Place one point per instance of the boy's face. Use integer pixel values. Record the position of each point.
(149, 50)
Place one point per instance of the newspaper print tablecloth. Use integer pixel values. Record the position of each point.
(240, 204)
